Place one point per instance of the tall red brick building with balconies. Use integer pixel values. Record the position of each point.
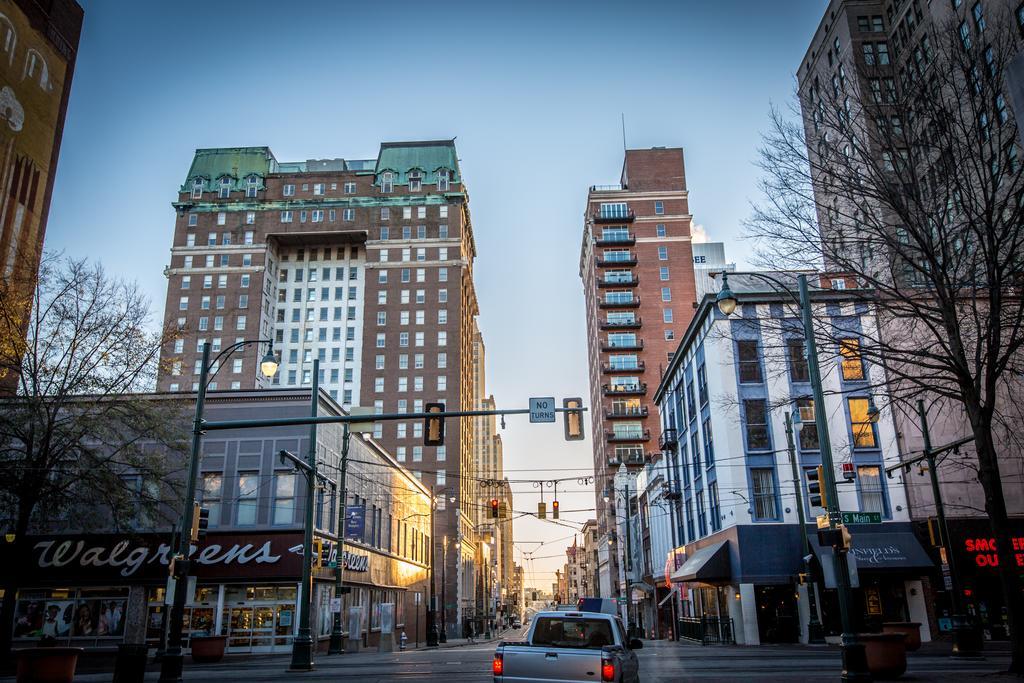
(636, 264)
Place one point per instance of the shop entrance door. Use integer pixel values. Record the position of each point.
(262, 621)
(777, 616)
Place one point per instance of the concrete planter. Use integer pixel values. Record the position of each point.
(47, 664)
(911, 628)
(208, 649)
(886, 653)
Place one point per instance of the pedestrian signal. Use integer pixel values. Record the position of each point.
(433, 426)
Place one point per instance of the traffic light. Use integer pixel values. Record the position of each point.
(433, 426)
(816, 487)
(200, 522)
(845, 540)
(934, 536)
(554, 509)
(318, 550)
(495, 507)
(542, 510)
(573, 418)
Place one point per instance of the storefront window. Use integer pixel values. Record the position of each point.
(81, 616)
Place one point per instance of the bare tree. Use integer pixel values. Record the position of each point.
(80, 446)
(905, 181)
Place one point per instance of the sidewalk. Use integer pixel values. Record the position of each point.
(461, 642)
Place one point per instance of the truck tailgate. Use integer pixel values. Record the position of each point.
(539, 663)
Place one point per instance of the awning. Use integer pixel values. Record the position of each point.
(707, 564)
(675, 589)
(875, 551)
(642, 585)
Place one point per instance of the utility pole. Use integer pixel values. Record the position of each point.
(814, 630)
(302, 646)
(432, 638)
(629, 560)
(337, 645)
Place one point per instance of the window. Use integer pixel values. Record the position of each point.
(863, 428)
(978, 12)
(798, 371)
(872, 497)
(853, 366)
(659, 208)
(284, 499)
(763, 480)
(197, 188)
(252, 184)
(666, 315)
(661, 230)
(702, 384)
(387, 181)
(288, 191)
(443, 178)
(709, 442)
(663, 253)
(663, 273)
(248, 493)
(286, 216)
(666, 294)
(442, 338)
(415, 181)
(213, 485)
(380, 340)
(756, 418)
(749, 362)
(808, 428)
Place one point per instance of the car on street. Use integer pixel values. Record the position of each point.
(569, 646)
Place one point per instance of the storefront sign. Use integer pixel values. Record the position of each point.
(878, 555)
(984, 554)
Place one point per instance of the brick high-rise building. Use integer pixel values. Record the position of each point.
(38, 49)
(365, 264)
(636, 264)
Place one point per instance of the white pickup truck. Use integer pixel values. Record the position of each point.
(569, 646)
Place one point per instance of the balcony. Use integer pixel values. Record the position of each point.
(626, 240)
(636, 413)
(640, 366)
(633, 324)
(668, 440)
(627, 437)
(624, 390)
(631, 281)
(628, 461)
(614, 216)
(622, 303)
(637, 346)
(607, 188)
(621, 262)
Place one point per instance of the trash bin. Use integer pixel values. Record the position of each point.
(130, 666)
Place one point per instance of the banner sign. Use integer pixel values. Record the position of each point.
(355, 522)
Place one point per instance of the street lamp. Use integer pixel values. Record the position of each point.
(173, 661)
(854, 658)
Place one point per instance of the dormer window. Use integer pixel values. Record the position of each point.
(225, 188)
(387, 181)
(252, 184)
(197, 188)
(415, 181)
(443, 178)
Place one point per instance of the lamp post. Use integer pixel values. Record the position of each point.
(337, 644)
(173, 660)
(855, 667)
(302, 646)
(444, 591)
(432, 635)
(814, 631)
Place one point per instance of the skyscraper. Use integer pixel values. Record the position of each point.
(364, 264)
(636, 264)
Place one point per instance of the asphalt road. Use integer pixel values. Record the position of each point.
(660, 662)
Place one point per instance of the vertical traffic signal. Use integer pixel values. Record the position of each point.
(554, 509)
(318, 551)
(494, 508)
(542, 510)
(433, 426)
(573, 418)
(200, 522)
(816, 487)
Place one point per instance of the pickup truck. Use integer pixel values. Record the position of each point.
(569, 646)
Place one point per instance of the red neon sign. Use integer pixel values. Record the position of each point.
(985, 554)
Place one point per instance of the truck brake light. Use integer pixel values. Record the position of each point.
(498, 665)
(607, 670)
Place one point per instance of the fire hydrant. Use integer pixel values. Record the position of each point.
(401, 641)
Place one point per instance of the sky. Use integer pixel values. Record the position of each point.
(534, 93)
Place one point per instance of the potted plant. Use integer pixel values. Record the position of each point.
(886, 653)
(47, 663)
(911, 628)
(207, 649)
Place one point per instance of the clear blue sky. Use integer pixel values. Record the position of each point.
(532, 91)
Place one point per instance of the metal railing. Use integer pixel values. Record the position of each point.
(707, 630)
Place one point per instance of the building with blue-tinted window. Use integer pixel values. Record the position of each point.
(737, 549)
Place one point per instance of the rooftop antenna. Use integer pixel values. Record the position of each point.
(623, 132)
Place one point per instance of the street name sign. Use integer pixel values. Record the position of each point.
(862, 518)
(542, 409)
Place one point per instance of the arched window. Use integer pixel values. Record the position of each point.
(8, 38)
(252, 184)
(387, 181)
(36, 69)
(225, 187)
(197, 188)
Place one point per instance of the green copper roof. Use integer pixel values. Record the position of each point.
(236, 162)
(428, 157)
